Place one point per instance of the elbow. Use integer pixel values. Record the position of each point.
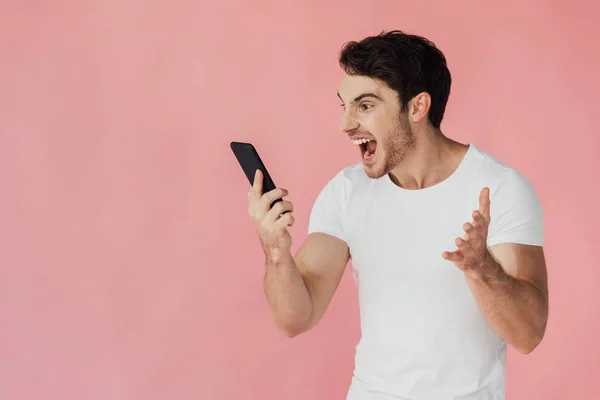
(292, 328)
(526, 349)
(529, 343)
(292, 331)
(532, 337)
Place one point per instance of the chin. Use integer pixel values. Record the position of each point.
(375, 173)
(376, 169)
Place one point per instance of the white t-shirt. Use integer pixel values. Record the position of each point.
(423, 335)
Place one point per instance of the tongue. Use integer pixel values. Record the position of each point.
(371, 146)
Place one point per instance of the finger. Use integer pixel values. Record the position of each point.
(279, 208)
(484, 203)
(478, 220)
(469, 231)
(454, 256)
(275, 194)
(285, 220)
(257, 184)
(463, 246)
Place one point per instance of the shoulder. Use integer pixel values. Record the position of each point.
(348, 178)
(353, 174)
(329, 208)
(500, 176)
(337, 190)
(515, 208)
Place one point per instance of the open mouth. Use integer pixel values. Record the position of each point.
(367, 147)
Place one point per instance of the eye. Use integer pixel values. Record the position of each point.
(366, 106)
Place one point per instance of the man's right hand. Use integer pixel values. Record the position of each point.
(300, 287)
(271, 223)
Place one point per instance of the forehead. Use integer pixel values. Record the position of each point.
(352, 86)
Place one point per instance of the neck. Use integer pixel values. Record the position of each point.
(433, 158)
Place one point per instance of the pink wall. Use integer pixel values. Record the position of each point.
(128, 266)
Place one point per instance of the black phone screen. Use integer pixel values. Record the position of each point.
(250, 161)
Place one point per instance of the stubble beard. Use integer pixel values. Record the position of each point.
(395, 145)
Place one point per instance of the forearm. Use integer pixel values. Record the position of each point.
(287, 294)
(516, 310)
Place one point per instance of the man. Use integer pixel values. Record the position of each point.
(445, 240)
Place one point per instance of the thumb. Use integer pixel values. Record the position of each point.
(484, 203)
(258, 183)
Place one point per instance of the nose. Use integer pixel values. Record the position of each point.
(348, 123)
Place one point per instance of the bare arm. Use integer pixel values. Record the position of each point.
(300, 289)
(509, 281)
(512, 293)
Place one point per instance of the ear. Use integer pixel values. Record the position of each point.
(418, 107)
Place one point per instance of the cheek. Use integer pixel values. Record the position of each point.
(376, 126)
(384, 123)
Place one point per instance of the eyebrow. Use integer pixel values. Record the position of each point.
(362, 96)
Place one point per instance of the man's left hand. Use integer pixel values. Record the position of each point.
(472, 255)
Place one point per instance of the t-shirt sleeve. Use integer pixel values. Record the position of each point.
(516, 214)
(328, 209)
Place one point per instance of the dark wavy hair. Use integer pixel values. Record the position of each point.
(408, 64)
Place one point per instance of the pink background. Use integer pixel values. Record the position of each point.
(128, 266)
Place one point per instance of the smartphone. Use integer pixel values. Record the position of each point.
(250, 161)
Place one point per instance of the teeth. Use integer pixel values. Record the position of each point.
(368, 155)
(361, 141)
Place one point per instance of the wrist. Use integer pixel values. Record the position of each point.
(488, 270)
(277, 256)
